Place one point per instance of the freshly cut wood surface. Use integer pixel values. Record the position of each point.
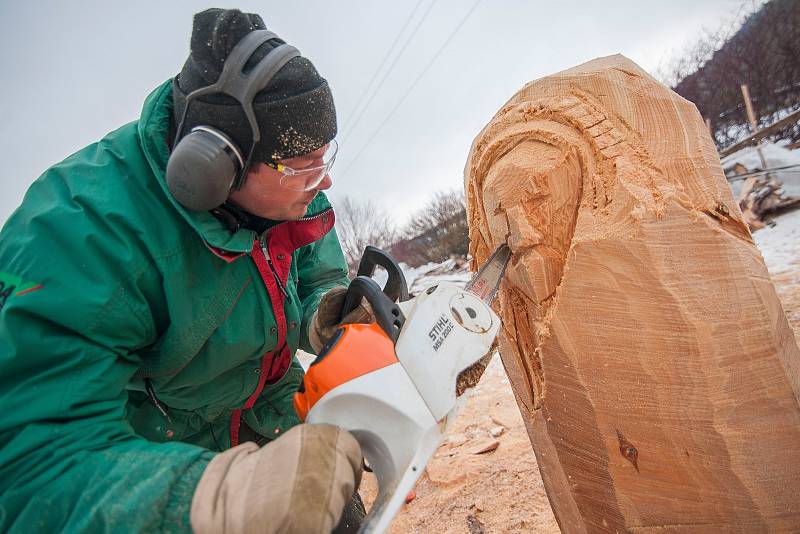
(647, 349)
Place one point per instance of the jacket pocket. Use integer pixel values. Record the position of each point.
(274, 413)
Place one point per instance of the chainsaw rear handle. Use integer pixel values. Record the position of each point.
(387, 313)
(396, 288)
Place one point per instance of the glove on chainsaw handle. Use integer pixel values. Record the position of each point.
(298, 483)
(387, 314)
(396, 288)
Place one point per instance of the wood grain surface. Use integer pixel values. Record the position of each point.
(647, 349)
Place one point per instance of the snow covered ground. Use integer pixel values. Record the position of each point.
(424, 276)
(420, 278)
(775, 156)
(780, 244)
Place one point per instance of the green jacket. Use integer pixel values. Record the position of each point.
(108, 289)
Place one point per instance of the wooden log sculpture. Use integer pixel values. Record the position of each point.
(650, 357)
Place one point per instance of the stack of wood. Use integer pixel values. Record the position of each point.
(761, 196)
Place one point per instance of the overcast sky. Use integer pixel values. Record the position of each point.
(73, 71)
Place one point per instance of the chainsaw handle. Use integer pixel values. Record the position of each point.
(396, 288)
(387, 313)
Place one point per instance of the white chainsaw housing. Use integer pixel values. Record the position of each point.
(399, 413)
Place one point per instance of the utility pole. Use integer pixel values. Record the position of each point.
(751, 116)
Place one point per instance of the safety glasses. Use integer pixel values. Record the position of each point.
(307, 178)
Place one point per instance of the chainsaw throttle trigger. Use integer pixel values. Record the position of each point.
(396, 288)
(387, 313)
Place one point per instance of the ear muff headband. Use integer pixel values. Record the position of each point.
(195, 158)
(261, 75)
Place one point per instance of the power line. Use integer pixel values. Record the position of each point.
(386, 74)
(760, 172)
(360, 98)
(410, 89)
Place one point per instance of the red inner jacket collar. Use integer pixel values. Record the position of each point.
(288, 236)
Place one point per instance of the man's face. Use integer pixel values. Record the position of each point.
(263, 195)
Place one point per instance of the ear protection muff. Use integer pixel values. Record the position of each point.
(202, 168)
(206, 164)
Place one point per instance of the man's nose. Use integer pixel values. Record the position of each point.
(326, 183)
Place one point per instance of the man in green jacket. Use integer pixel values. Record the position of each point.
(147, 324)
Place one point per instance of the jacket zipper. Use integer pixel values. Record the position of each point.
(263, 242)
(151, 394)
(278, 281)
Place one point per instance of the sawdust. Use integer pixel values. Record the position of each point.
(501, 489)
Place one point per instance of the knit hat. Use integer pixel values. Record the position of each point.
(295, 111)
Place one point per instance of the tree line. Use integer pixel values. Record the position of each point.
(434, 233)
(760, 49)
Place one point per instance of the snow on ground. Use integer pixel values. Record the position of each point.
(424, 276)
(420, 278)
(780, 244)
(775, 156)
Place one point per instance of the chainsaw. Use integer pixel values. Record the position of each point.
(392, 383)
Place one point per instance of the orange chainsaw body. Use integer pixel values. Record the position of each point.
(355, 350)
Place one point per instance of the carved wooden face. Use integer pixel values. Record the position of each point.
(526, 193)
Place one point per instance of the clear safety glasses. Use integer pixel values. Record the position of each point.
(307, 178)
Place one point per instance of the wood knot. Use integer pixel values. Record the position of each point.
(628, 451)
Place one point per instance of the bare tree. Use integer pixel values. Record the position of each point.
(362, 223)
(437, 212)
(436, 232)
(694, 55)
(761, 48)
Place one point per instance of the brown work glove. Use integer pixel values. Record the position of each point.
(298, 483)
(325, 320)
